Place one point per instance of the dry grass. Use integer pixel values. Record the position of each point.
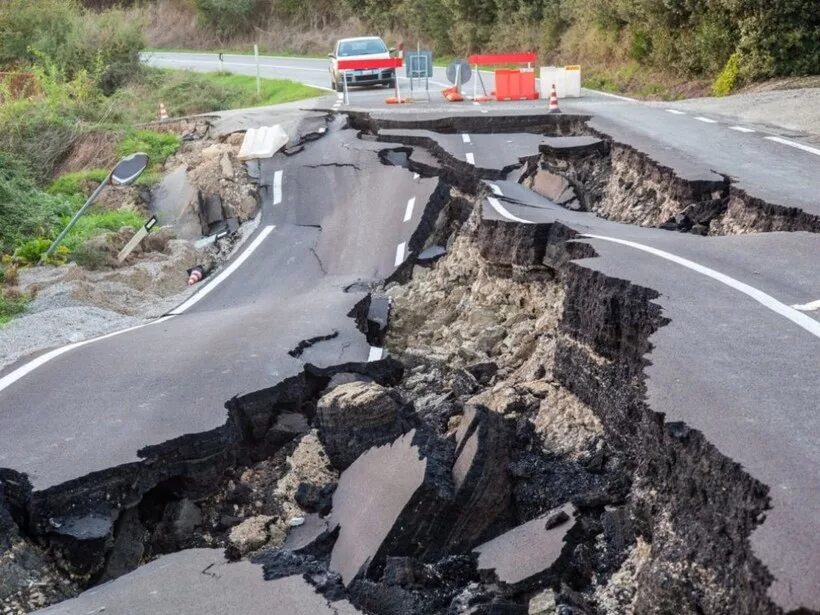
(94, 150)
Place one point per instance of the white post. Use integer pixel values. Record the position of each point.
(344, 80)
(475, 83)
(458, 78)
(398, 91)
(258, 83)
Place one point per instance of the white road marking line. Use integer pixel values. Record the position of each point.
(208, 288)
(798, 318)
(375, 354)
(700, 118)
(470, 157)
(741, 129)
(484, 111)
(808, 307)
(495, 189)
(277, 187)
(496, 205)
(416, 175)
(400, 253)
(675, 111)
(805, 148)
(9, 379)
(465, 138)
(408, 212)
(610, 94)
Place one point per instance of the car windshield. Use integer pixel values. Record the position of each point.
(363, 47)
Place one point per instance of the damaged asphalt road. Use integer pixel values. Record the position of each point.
(573, 424)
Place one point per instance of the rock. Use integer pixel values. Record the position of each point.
(308, 535)
(227, 166)
(315, 498)
(502, 399)
(543, 603)
(483, 372)
(308, 465)
(399, 571)
(554, 187)
(355, 417)
(523, 556)
(251, 534)
(391, 501)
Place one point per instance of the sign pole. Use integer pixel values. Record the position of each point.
(258, 83)
(344, 80)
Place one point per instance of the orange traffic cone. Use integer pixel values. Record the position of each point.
(195, 275)
(452, 94)
(163, 113)
(554, 101)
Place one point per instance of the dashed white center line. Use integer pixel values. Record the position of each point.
(277, 187)
(708, 120)
(741, 129)
(675, 111)
(400, 249)
(416, 175)
(375, 354)
(465, 138)
(470, 157)
(805, 148)
(807, 307)
(408, 212)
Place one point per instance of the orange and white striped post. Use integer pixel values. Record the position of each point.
(554, 101)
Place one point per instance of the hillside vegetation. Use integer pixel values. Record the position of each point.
(724, 43)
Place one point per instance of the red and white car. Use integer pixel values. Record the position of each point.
(362, 48)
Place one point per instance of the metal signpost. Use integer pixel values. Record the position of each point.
(127, 170)
(136, 239)
(420, 66)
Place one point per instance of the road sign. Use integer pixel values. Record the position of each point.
(419, 64)
(459, 70)
(136, 239)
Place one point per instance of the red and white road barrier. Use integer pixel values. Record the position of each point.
(195, 275)
(509, 84)
(365, 64)
(163, 112)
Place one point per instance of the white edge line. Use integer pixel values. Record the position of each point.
(408, 212)
(465, 137)
(496, 205)
(208, 288)
(277, 187)
(375, 354)
(675, 111)
(496, 190)
(9, 379)
(400, 253)
(798, 318)
(807, 307)
(741, 129)
(805, 148)
(706, 120)
(470, 157)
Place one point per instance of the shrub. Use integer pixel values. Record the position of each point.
(158, 145)
(77, 184)
(640, 46)
(727, 80)
(228, 17)
(25, 211)
(12, 304)
(96, 222)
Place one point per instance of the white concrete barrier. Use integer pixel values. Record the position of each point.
(263, 142)
(567, 80)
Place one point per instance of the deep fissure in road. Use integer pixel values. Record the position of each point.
(503, 459)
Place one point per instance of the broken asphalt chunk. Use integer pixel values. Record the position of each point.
(390, 502)
(524, 555)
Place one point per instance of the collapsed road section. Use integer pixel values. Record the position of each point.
(564, 425)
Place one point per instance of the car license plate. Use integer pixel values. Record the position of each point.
(366, 73)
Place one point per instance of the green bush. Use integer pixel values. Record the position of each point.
(158, 145)
(727, 80)
(31, 251)
(640, 46)
(11, 305)
(96, 222)
(77, 184)
(229, 17)
(25, 211)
